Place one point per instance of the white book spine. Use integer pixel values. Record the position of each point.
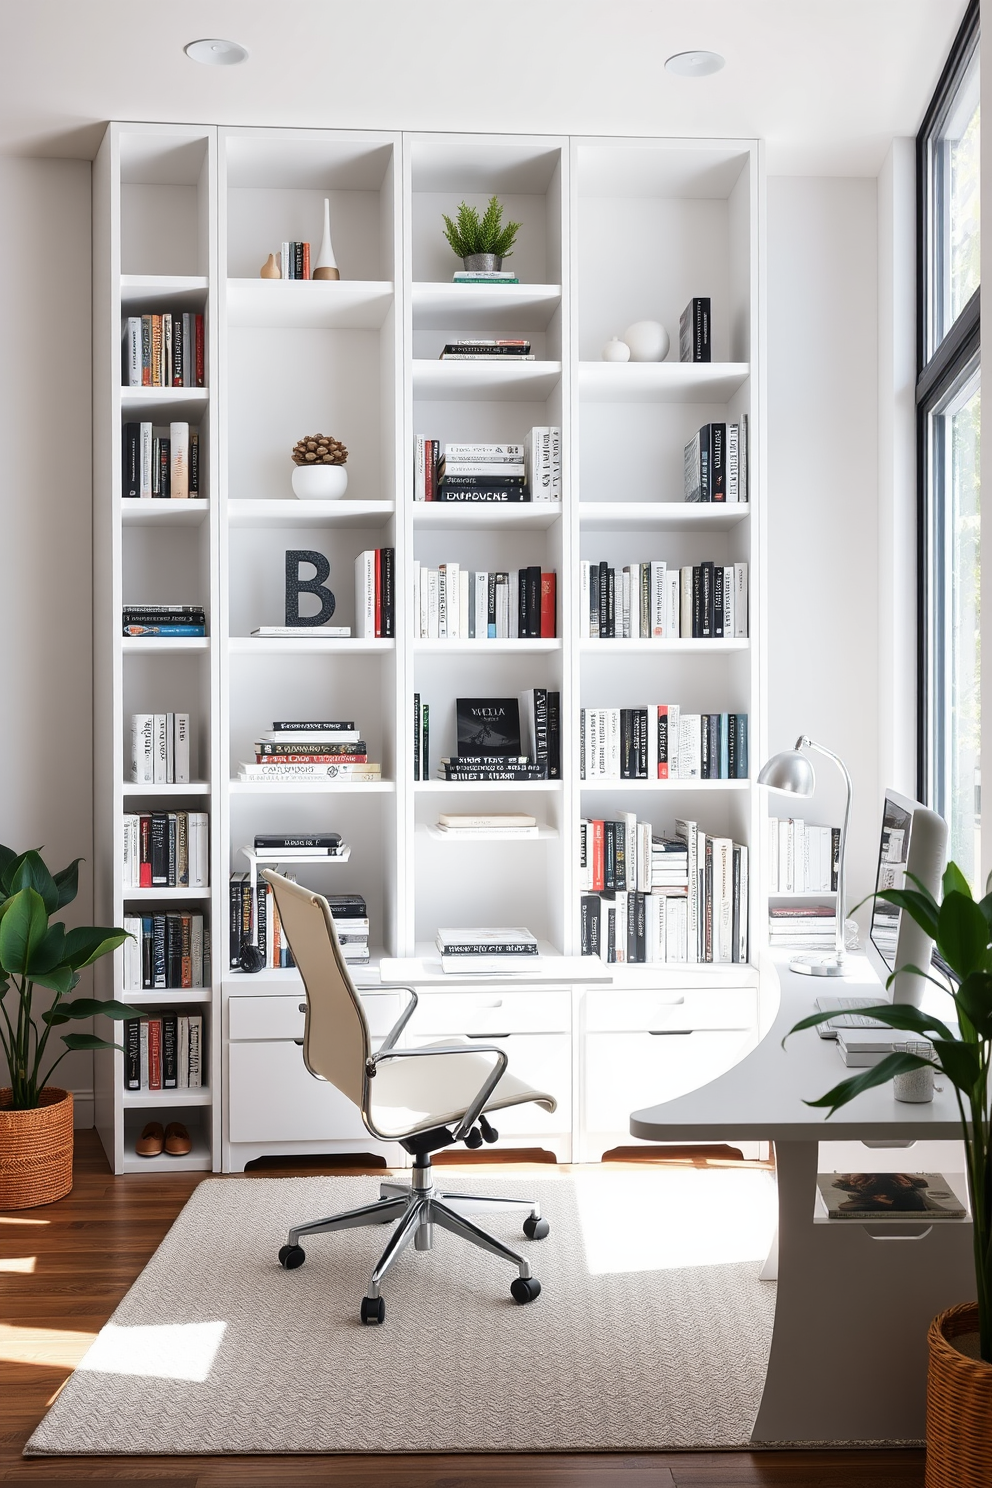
(740, 599)
(284, 260)
(741, 948)
(733, 447)
(179, 460)
(202, 850)
(773, 878)
(672, 604)
(365, 593)
(621, 927)
(182, 1052)
(181, 772)
(161, 764)
(690, 746)
(143, 748)
(145, 451)
(132, 350)
(481, 606)
(659, 593)
(454, 588)
(464, 613)
(424, 628)
(584, 596)
(513, 605)
(723, 895)
(685, 601)
(442, 602)
(728, 600)
(613, 761)
(433, 585)
(132, 955)
(170, 748)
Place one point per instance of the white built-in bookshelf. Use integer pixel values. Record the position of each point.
(613, 231)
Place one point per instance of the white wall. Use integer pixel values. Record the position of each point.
(45, 526)
(823, 672)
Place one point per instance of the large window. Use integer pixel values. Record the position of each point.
(949, 450)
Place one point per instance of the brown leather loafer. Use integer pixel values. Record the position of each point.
(177, 1139)
(151, 1141)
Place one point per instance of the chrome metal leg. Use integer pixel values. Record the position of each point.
(391, 1190)
(449, 1220)
(385, 1211)
(398, 1242)
(473, 1203)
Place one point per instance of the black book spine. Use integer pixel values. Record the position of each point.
(523, 626)
(491, 603)
(160, 850)
(584, 940)
(742, 761)
(160, 978)
(147, 936)
(713, 722)
(705, 464)
(701, 328)
(483, 482)
(611, 602)
(595, 923)
(416, 736)
(697, 605)
(534, 602)
(610, 910)
(194, 462)
(642, 743)
(704, 747)
(706, 600)
(425, 757)
(735, 929)
(718, 462)
(610, 854)
(620, 855)
(131, 461)
(261, 914)
(178, 323)
(731, 746)
(834, 858)
(264, 842)
(626, 744)
(327, 746)
(718, 600)
(479, 493)
(604, 601)
(631, 927)
(542, 753)
(388, 580)
(164, 468)
(554, 735)
(170, 1051)
(173, 951)
(132, 1054)
(641, 924)
(594, 571)
(234, 920)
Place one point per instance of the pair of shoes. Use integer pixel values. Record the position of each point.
(174, 1140)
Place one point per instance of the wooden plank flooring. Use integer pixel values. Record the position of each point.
(64, 1268)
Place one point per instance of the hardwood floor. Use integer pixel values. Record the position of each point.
(64, 1268)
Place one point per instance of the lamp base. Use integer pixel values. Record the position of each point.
(823, 966)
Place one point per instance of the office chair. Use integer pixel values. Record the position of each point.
(424, 1098)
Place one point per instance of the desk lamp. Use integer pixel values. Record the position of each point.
(791, 771)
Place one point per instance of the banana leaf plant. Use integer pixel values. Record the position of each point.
(36, 953)
(961, 929)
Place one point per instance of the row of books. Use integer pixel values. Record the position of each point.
(494, 472)
(166, 850)
(715, 464)
(662, 742)
(375, 593)
(164, 1052)
(163, 350)
(303, 749)
(165, 620)
(498, 738)
(794, 926)
(348, 911)
(451, 602)
(804, 859)
(294, 260)
(624, 853)
(485, 349)
(168, 951)
(160, 748)
(656, 601)
(158, 466)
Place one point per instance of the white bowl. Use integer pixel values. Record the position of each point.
(320, 482)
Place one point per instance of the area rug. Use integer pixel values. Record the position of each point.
(652, 1329)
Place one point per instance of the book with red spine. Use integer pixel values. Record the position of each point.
(154, 1053)
(145, 833)
(664, 742)
(548, 606)
(597, 833)
(199, 358)
(306, 260)
(378, 592)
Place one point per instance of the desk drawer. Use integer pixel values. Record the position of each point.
(444, 1014)
(272, 1097)
(619, 1010)
(626, 1071)
(280, 1017)
(544, 1061)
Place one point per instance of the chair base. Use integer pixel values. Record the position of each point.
(415, 1209)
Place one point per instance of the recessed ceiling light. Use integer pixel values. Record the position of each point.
(213, 52)
(694, 64)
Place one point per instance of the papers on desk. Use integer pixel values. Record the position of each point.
(863, 1047)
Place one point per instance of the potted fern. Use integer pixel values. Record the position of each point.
(959, 1385)
(36, 954)
(483, 242)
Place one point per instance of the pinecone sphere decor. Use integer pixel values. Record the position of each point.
(319, 449)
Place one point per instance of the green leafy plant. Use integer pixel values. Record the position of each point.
(472, 234)
(961, 929)
(34, 952)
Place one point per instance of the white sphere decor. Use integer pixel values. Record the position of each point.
(648, 341)
(616, 350)
(320, 482)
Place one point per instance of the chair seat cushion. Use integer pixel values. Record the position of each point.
(409, 1094)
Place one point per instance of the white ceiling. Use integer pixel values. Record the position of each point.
(826, 82)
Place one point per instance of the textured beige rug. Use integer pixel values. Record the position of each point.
(652, 1329)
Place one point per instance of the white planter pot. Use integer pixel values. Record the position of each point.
(320, 482)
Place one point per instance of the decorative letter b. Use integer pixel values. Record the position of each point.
(295, 586)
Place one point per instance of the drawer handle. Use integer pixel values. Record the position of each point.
(488, 1035)
(303, 1007)
(298, 1043)
(670, 1032)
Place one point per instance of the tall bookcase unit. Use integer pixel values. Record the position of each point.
(613, 231)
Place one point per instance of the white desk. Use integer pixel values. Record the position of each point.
(848, 1358)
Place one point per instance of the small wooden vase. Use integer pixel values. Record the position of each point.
(270, 269)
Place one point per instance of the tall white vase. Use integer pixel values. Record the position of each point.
(326, 267)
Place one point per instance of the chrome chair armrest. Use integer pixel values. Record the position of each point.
(401, 1022)
(488, 1086)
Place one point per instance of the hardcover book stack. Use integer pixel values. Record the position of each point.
(163, 350)
(803, 858)
(486, 950)
(507, 826)
(658, 601)
(455, 603)
(802, 927)
(164, 620)
(160, 748)
(166, 850)
(169, 951)
(486, 349)
(694, 331)
(375, 594)
(652, 899)
(311, 749)
(511, 739)
(485, 276)
(661, 742)
(160, 466)
(164, 1052)
(714, 464)
(348, 911)
(487, 473)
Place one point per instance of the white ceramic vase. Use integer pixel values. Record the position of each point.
(326, 265)
(320, 482)
(616, 350)
(648, 341)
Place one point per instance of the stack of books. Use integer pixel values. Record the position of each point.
(715, 463)
(375, 593)
(168, 951)
(487, 473)
(487, 950)
(505, 825)
(163, 350)
(166, 850)
(311, 749)
(455, 603)
(694, 331)
(661, 742)
(485, 349)
(164, 620)
(804, 859)
(160, 748)
(656, 601)
(164, 1052)
(485, 276)
(802, 927)
(159, 466)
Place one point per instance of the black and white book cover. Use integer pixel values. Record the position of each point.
(896, 1196)
(488, 725)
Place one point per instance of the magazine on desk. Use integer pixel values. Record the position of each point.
(888, 1196)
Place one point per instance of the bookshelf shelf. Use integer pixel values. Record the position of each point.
(151, 1099)
(668, 382)
(163, 645)
(163, 404)
(483, 647)
(147, 294)
(191, 788)
(500, 381)
(179, 513)
(677, 646)
(499, 787)
(166, 896)
(543, 834)
(498, 307)
(173, 996)
(311, 787)
(307, 305)
(606, 516)
(450, 516)
(276, 515)
(666, 786)
(197, 1160)
(303, 645)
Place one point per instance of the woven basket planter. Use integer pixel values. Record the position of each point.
(959, 1406)
(35, 1150)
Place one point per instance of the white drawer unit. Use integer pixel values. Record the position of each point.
(492, 1012)
(272, 1097)
(619, 1010)
(282, 1016)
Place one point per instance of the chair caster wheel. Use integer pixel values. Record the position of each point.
(373, 1310)
(525, 1289)
(291, 1256)
(536, 1229)
(473, 1139)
